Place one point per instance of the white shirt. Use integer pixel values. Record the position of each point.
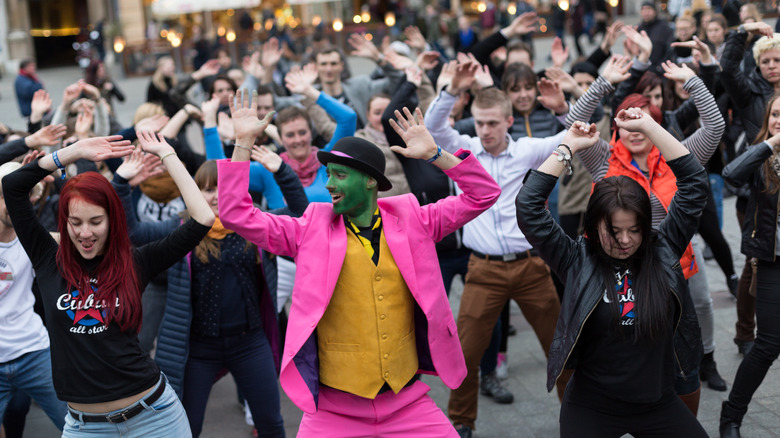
(494, 232)
(21, 329)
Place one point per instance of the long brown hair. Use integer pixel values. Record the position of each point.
(771, 180)
(205, 178)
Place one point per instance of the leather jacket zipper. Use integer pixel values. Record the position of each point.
(677, 325)
(579, 332)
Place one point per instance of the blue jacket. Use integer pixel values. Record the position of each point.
(25, 88)
(173, 339)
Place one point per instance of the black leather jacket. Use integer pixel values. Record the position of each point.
(760, 227)
(575, 263)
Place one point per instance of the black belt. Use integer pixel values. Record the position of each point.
(122, 416)
(506, 257)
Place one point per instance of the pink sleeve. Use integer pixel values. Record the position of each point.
(480, 192)
(276, 234)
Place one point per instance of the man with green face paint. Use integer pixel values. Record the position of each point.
(369, 313)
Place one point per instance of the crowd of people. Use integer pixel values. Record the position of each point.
(314, 239)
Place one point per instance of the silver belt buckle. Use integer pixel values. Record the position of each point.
(509, 257)
(119, 417)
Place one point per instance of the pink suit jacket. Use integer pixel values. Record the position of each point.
(318, 242)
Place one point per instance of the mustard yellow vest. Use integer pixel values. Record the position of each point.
(366, 336)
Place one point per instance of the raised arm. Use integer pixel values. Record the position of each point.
(436, 118)
(705, 140)
(534, 219)
(743, 168)
(196, 205)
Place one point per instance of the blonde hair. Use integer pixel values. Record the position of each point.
(765, 43)
(158, 79)
(493, 98)
(147, 109)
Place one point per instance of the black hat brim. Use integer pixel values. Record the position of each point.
(383, 184)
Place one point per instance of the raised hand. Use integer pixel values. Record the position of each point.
(301, 81)
(759, 28)
(154, 143)
(697, 44)
(40, 105)
(100, 148)
(617, 69)
(551, 96)
(398, 61)
(225, 127)
(414, 38)
(252, 66)
(31, 156)
(446, 75)
(677, 73)
(419, 142)
(46, 136)
(84, 122)
(151, 124)
(209, 109)
(269, 159)
(611, 36)
(90, 90)
(523, 24)
(363, 47)
(564, 80)
(634, 120)
(135, 164)
(244, 114)
(272, 53)
(193, 111)
(428, 60)
(71, 93)
(558, 53)
(581, 136)
(643, 42)
(463, 78)
(414, 75)
(209, 68)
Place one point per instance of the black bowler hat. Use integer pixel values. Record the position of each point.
(361, 155)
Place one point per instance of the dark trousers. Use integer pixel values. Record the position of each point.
(754, 366)
(746, 303)
(711, 233)
(248, 357)
(584, 416)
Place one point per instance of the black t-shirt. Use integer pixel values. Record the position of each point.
(611, 363)
(91, 362)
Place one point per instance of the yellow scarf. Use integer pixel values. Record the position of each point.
(218, 231)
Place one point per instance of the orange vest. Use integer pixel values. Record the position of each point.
(662, 183)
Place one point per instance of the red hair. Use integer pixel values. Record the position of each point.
(116, 274)
(636, 100)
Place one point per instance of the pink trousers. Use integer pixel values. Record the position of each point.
(410, 413)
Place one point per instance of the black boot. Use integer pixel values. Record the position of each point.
(730, 421)
(708, 372)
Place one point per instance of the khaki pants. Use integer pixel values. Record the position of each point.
(488, 286)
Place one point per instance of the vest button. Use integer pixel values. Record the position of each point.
(386, 355)
(380, 297)
(378, 277)
(382, 316)
(387, 374)
(384, 336)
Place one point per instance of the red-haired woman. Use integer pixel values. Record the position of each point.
(633, 154)
(91, 284)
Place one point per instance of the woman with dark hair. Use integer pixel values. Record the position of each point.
(627, 324)
(91, 283)
(759, 167)
(97, 76)
(634, 154)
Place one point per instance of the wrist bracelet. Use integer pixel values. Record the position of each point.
(167, 155)
(565, 159)
(58, 164)
(435, 157)
(571, 154)
(242, 147)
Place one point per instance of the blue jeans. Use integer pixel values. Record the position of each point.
(248, 357)
(716, 185)
(31, 373)
(164, 417)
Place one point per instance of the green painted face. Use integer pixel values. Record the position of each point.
(353, 193)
